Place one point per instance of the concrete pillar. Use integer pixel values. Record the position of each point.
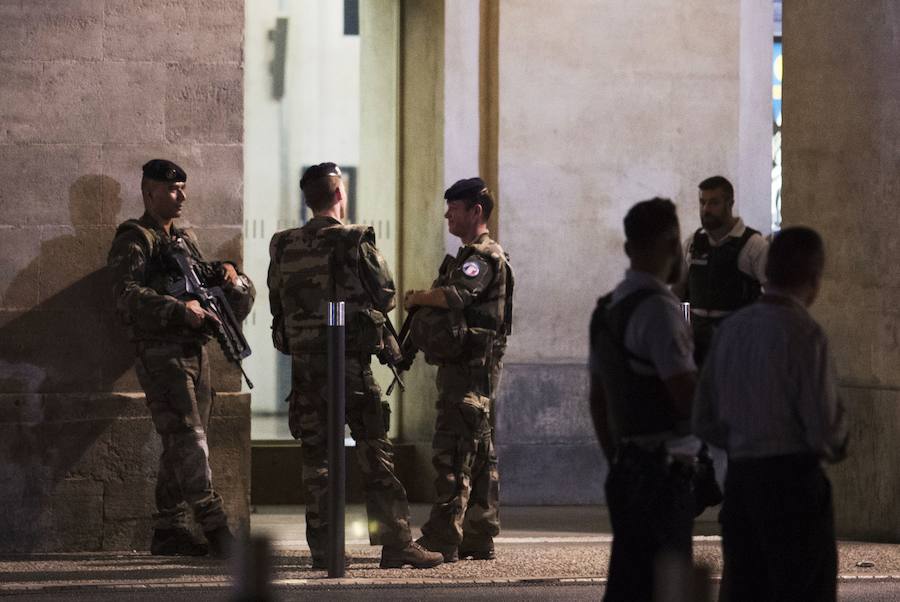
(91, 90)
(841, 154)
(422, 228)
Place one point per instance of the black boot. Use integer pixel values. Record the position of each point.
(221, 542)
(176, 542)
(477, 549)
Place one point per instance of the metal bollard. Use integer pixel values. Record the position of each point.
(336, 418)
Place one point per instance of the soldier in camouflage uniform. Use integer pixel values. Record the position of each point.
(461, 325)
(324, 261)
(172, 365)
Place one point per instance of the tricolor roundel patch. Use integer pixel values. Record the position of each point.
(471, 269)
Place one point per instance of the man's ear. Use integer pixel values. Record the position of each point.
(338, 194)
(479, 212)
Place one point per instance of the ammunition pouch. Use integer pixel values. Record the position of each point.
(279, 337)
(366, 331)
(440, 334)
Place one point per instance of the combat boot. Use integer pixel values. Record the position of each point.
(412, 553)
(320, 561)
(448, 551)
(176, 542)
(477, 549)
(221, 542)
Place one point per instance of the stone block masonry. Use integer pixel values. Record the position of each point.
(91, 90)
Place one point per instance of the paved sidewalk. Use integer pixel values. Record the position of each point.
(565, 545)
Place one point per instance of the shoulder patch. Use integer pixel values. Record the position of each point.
(471, 269)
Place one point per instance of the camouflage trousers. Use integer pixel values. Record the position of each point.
(467, 505)
(175, 378)
(368, 417)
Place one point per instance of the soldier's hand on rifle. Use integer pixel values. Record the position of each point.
(405, 363)
(434, 297)
(195, 314)
(409, 299)
(389, 354)
(231, 275)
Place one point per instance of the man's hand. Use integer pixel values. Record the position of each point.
(410, 299)
(434, 297)
(196, 314)
(231, 275)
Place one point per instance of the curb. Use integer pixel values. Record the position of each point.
(355, 583)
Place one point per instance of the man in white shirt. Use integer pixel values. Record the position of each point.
(642, 383)
(768, 396)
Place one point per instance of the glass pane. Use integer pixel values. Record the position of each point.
(313, 91)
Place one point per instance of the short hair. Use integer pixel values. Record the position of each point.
(796, 257)
(486, 200)
(472, 191)
(648, 221)
(318, 185)
(716, 183)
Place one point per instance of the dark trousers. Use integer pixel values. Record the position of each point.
(651, 508)
(703, 329)
(778, 531)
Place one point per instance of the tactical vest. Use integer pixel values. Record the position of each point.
(714, 280)
(319, 265)
(637, 404)
(476, 334)
(161, 273)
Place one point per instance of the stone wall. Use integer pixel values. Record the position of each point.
(92, 89)
(603, 105)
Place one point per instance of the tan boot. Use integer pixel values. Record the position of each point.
(412, 554)
(448, 551)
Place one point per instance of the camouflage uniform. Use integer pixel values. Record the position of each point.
(172, 367)
(325, 260)
(478, 284)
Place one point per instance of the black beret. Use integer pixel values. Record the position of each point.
(163, 170)
(319, 171)
(465, 189)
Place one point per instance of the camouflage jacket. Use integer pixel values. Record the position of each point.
(323, 261)
(478, 284)
(142, 276)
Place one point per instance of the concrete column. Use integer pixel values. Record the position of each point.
(91, 90)
(421, 223)
(841, 154)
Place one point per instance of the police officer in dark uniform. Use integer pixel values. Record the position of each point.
(726, 263)
(461, 324)
(173, 366)
(642, 382)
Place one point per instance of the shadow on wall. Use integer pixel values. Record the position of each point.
(57, 360)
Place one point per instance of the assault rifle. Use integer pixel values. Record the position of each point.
(225, 326)
(401, 344)
(388, 358)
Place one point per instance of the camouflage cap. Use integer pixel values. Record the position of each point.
(319, 171)
(163, 170)
(466, 189)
